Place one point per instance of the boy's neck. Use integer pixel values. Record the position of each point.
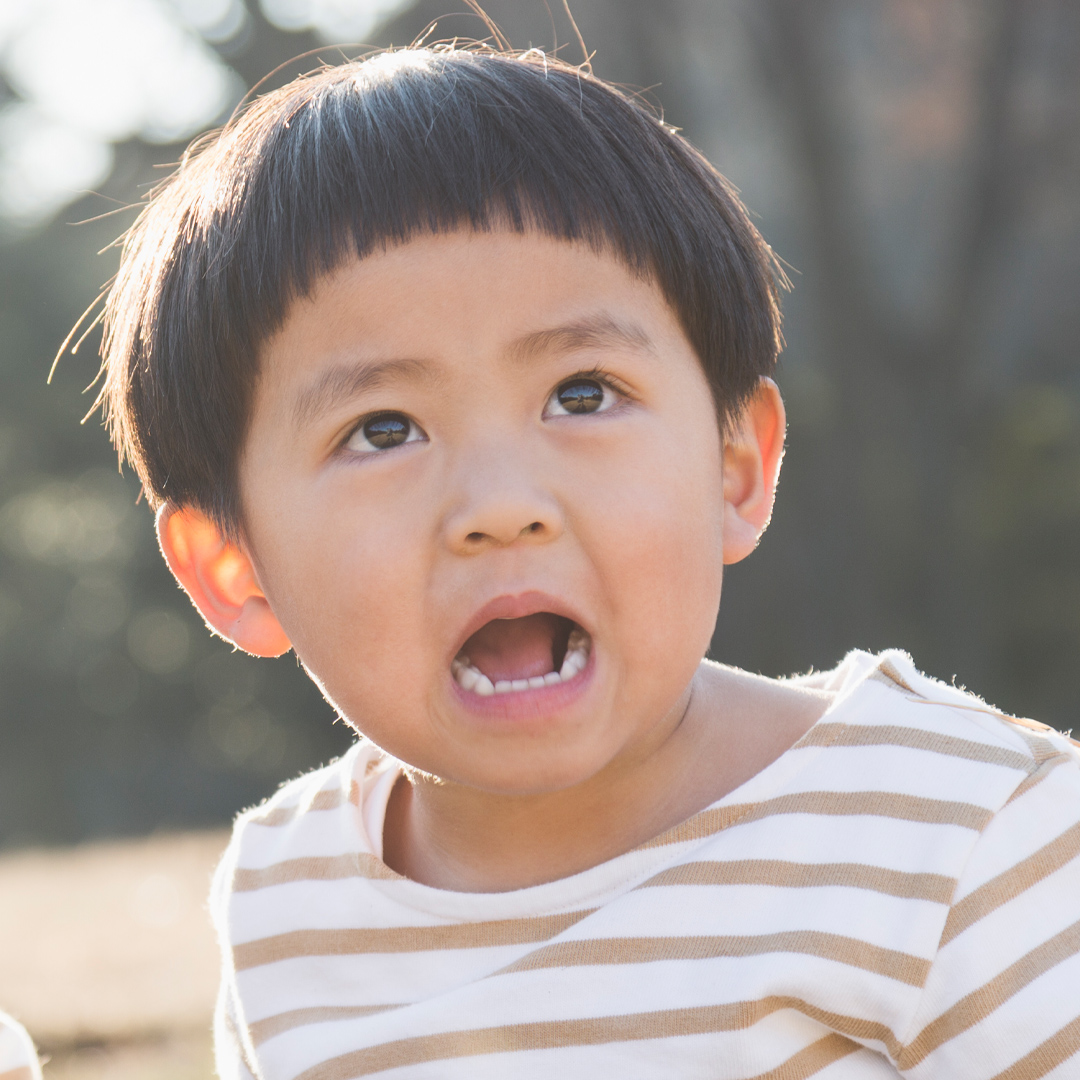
(727, 726)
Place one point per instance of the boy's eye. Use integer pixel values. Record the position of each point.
(579, 396)
(383, 432)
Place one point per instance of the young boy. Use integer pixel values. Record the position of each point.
(450, 371)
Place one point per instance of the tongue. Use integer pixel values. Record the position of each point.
(516, 648)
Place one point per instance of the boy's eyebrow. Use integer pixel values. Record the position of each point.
(349, 380)
(601, 329)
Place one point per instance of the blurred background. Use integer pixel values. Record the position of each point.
(916, 163)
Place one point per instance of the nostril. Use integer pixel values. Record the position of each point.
(477, 537)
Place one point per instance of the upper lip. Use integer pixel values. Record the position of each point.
(516, 606)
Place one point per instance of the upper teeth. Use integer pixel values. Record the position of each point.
(471, 678)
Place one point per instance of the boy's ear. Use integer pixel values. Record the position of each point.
(219, 578)
(753, 450)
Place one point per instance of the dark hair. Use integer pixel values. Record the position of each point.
(371, 153)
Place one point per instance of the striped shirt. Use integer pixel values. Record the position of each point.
(18, 1061)
(897, 894)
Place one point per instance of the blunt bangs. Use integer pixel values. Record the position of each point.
(369, 154)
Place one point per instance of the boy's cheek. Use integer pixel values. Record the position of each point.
(360, 614)
(666, 599)
(346, 587)
(667, 526)
(343, 607)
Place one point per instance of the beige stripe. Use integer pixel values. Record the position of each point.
(1022, 721)
(1039, 775)
(21, 1072)
(829, 803)
(854, 1026)
(1047, 1056)
(267, 1028)
(314, 868)
(934, 887)
(916, 739)
(997, 714)
(1011, 883)
(402, 939)
(792, 875)
(892, 675)
(646, 950)
(811, 1060)
(327, 799)
(1042, 749)
(738, 1014)
(546, 1035)
(980, 1003)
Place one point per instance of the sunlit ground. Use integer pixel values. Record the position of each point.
(108, 956)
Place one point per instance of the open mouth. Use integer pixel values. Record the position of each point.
(507, 656)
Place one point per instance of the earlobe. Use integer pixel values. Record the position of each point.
(221, 581)
(753, 452)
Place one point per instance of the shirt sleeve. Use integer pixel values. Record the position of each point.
(1002, 1000)
(231, 1055)
(18, 1059)
(234, 1055)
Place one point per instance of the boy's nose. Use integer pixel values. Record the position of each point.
(500, 514)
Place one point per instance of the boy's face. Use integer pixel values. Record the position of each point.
(462, 450)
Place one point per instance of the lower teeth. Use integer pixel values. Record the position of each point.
(472, 679)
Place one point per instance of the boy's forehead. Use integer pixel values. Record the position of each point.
(534, 293)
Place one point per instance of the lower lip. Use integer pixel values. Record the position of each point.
(531, 704)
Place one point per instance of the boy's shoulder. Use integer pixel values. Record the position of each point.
(897, 748)
(323, 789)
(310, 824)
(885, 699)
